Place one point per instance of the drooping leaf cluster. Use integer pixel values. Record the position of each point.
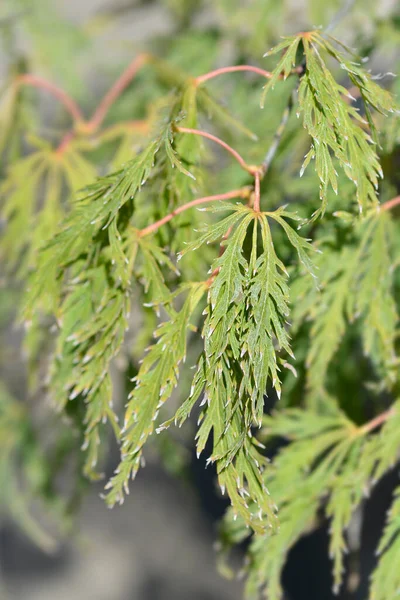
(330, 463)
(356, 286)
(336, 128)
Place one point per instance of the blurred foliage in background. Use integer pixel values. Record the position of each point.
(347, 366)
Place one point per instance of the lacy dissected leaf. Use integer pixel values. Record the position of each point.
(153, 258)
(339, 134)
(245, 329)
(365, 459)
(385, 580)
(266, 329)
(93, 319)
(19, 192)
(85, 276)
(228, 415)
(34, 195)
(182, 173)
(330, 461)
(154, 384)
(336, 127)
(172, 154)
(14, 120)
(373, 297)
(356, 284)
(289, 46)
(296, 495)
(92, 212)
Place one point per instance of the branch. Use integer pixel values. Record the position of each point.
(391, 203)
(116, 90)
(340, 15)
(278, 136)
(222, 70)
(65, 142)
(240, 193)
(63, 97)
(377, 421)
(217, 140)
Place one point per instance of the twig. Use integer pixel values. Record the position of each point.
(217, 140)
(376, 422)
(267, 74)
(65, 99)
(222, 70)
(65, 142)
(240, 193)
(391, 203)
(277, 137)
(340, 15)
(116, 90)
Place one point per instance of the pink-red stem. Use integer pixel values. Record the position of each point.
(63, 97)
(65, 142)
(391, 203)
(116, 90)
(377, 421)
(223, 70)
(217, 140)
(240, 193)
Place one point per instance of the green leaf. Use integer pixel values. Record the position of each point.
(94, 211)
(172, 154)
(153, 257)
(284, 66)
(157, 377)
(385, 581)
(244, 330)
(329, 461)
(335, 126)
(356, 284)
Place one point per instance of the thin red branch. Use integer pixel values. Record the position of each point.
(63, 97)
(116, 90)
(377, 421)
(234, 68)
(222, 70)
(217, 140)
(65, 142)
(240, 193)
(391, 203)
